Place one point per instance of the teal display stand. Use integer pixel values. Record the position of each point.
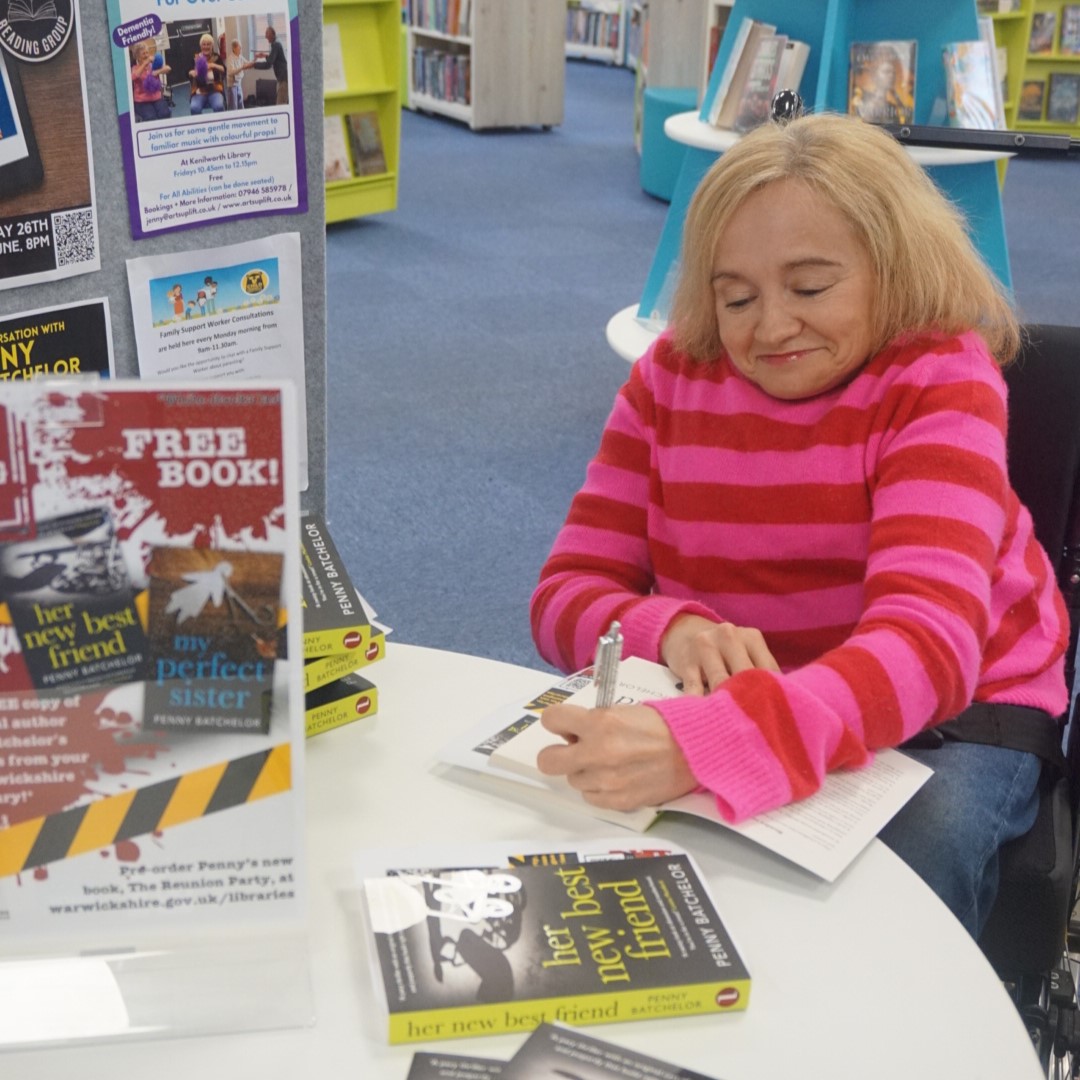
(661, 157)
(829, 27)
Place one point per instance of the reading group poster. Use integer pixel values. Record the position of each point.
(148, 741)
(211, 122)
(75, 339)
(228, 312)
(48, 226)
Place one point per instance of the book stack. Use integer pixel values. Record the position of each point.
(760, 63)
(340, 638)
(352, 146)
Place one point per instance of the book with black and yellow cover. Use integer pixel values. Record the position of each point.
(334, 619)
(340, 702)
(554, 937)
(321, 670)
(73, 607)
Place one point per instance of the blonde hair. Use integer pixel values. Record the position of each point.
(206, 37)
(928, 274)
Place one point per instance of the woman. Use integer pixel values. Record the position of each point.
(206, 77)
(801, 505)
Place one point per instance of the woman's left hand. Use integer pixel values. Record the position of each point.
(620, 758)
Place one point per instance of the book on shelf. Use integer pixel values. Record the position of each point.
(71, 602)
(997, 7)
(756, 93)
(718, 15)
(352, 697)
(1063, 97)
(336, 165)
(792, 64)
(1032, 99)
(823, 833)
(971, 86)
(881, 81)
(333, 617)
(430, 1066)
(1069, 44)
(558, 1051)
(1043, 31)
(333, 59)
(546, 933)
(215, 625)
(999, 68)
(367, 146)
(724, 92)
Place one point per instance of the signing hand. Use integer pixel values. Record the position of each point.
(620, 758)
(703, 653)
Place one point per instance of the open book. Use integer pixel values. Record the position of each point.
(822, 833)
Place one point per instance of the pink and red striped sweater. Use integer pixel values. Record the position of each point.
(870, 533)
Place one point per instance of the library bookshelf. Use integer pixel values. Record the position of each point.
(597, 29)
(490, 64)
(370, 37)
(1047, 67)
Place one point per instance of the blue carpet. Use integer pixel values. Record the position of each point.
(468, 371)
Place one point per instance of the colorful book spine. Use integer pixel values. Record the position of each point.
(340, 702)
(334, 619)
(325, 669)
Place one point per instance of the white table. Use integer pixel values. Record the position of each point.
(869, 977)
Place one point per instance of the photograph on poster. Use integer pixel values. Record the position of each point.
(70, 340)
(143, 685)
(229, 312)
(48, 222)
(211, 125)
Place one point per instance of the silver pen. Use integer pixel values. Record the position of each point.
(606, 667)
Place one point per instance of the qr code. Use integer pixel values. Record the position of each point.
(74, 237)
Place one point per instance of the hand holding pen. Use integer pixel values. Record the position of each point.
(608, 655)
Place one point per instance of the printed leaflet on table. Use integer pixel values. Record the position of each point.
(208, 132)
(234, 311)
(149, 730)
(823, 833)
(48, 224)
(75, 339)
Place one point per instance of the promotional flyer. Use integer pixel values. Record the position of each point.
(48, 224)
(211, 120)
(149, 731)
(74, 339)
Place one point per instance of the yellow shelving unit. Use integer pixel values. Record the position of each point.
(1042, 66)
(370, 33)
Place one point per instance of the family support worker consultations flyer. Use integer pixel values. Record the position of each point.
(192, 151)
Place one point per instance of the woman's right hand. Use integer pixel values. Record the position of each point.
(703, 653)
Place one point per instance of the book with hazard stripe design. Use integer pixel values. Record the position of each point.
(158, 792)
(462, 950)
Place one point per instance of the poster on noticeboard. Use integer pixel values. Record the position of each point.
(48, 222)
(210, 112)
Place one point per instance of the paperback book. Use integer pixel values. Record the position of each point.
(428, 1066)
(1043, 30)
(755, 98)
(1063, 98)
(1032, 98)
(462, 950)
(73, 607)
(726, 85)
(214, 630)
(325, 669)
(367, 147)
(336, 165)
(1070, 30)
(971, 86)
(823, 833)
(339, 702)
(333, 617)
(881, 81)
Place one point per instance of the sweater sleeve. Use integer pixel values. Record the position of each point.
(942, 509)
(599, 567)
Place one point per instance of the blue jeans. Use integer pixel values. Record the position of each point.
(978, 798)
(215, 100)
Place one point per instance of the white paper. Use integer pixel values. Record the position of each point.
(823, 833)
(239, 314)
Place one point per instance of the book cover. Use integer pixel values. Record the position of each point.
(333, 59)
(333, 617)
(881, 81)
(335, 151)
(428, 1066)
(557, 1051)
(1032, 96)
(970, 85)
(755, 100)
(325, 669)
(1070, 30)
(340, 702)
(724, 112)
(720, 78)
(367, 147)
(73, 607)
(214, 631)
(462, 951)
(1063, 98)
(1043, 28)
(792, 65)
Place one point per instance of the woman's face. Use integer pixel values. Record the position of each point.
(794, 292)
(236, 48)
(206, 46)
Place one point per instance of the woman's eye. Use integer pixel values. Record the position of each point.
(735, 305)
(811, 292)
